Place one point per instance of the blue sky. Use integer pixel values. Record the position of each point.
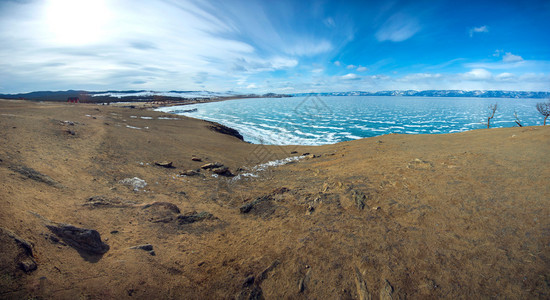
(274, 46)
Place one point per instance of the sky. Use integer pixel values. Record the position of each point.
(274, 46)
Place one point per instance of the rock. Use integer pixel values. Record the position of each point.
(85, 240)
(246, 208)
(211, 165)
(294, 152)
(165, 164)
(225, 130)
(35, 175)
(102, 201)
(309, 209)
(418, 164)
(280, 190)
(310, 156)
(251, 288)
(191, 172)
(193, 217)
(28, 265)
(166, 205)
(71, 132)
(304, 154)
(303, 281)
(359, 199)
(16, 253)
(196, 159)
(135, 182)
(224, 171)
(145, 247)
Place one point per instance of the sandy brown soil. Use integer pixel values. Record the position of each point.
(462, 215)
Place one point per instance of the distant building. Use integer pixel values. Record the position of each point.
(73, 100)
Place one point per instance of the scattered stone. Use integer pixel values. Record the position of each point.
(310, 156)
(28, 265)
(246, 208)
(294, 152)
(35, 175)
(304, 280)
(103, 201)
(85, 240)
(248, 281)
(145, 247)
(309, 209)
(304, 154)
(225, 130)
(211, 165)
(71, 132)
(167, 205)
(418, 164)
(196, 159)
(251, 285)
(280, 190)
(193, 217)
(376, 208)
(135, 182)
(114, 231)
(224, 171)
(17, 253)
(359, 199)
(191, 172)
(165, 164)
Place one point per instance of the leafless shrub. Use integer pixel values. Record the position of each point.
(544, 109)
(492, 110)
(517, 119)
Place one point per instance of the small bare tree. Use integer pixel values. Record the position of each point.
(492, 110)
(517, 119)
(544, 109)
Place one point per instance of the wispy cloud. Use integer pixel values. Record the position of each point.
(349, 67)
(509, 57)
(399, 27)
(361, 69)
(481, 29)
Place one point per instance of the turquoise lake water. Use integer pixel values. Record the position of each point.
(324, 120)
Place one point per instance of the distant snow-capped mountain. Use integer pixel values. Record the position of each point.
(441, 93)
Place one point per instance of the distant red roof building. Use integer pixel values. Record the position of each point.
(72, 100)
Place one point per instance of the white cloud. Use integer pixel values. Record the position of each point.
(349, 67)
(480, 29)
(361, 69)
(505, 76)
(397, 28)
(251, 86)
(350, 76)
(509, 57)
(337, 63)
(477, 74)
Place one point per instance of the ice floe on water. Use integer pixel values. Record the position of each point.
(298, 121)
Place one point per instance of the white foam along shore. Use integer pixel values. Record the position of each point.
(262, 167)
